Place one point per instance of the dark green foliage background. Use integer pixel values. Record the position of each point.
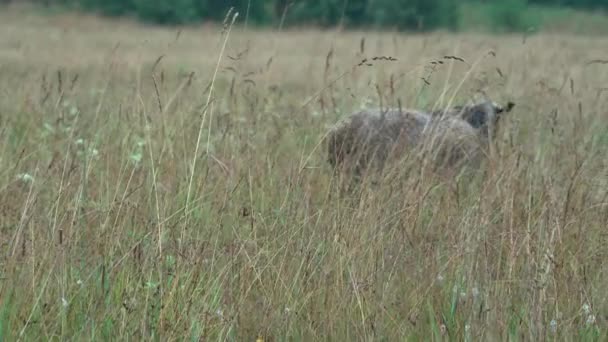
(413, 15)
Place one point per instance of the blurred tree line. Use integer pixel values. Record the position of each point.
(398, 14)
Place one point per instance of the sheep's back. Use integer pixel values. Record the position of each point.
(374, 135)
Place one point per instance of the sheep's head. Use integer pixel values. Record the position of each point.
(484, 115)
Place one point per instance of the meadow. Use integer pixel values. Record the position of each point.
(172, 184)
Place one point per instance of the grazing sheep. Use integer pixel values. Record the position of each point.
(370, 138)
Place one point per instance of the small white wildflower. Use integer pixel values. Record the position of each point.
(287, 310)
(25, 177)
(136, 157)
(440, 279)
(553, 326)
(590, 319)
(79, 282)
(48, 128)
(367, 102)
(64, 302)
(467, 328)
(79, 141)
(475, 292)
(219, 313)
(74, 111)
(151, 285)
(93, 152)
(586, 309)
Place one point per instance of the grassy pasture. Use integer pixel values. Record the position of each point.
(170, 184)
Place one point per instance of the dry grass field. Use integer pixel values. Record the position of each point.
(171, 184)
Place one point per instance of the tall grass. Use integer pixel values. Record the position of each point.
(109, 230)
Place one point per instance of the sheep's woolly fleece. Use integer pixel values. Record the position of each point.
(372, 137)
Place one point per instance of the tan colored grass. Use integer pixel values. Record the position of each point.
(107, 131)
